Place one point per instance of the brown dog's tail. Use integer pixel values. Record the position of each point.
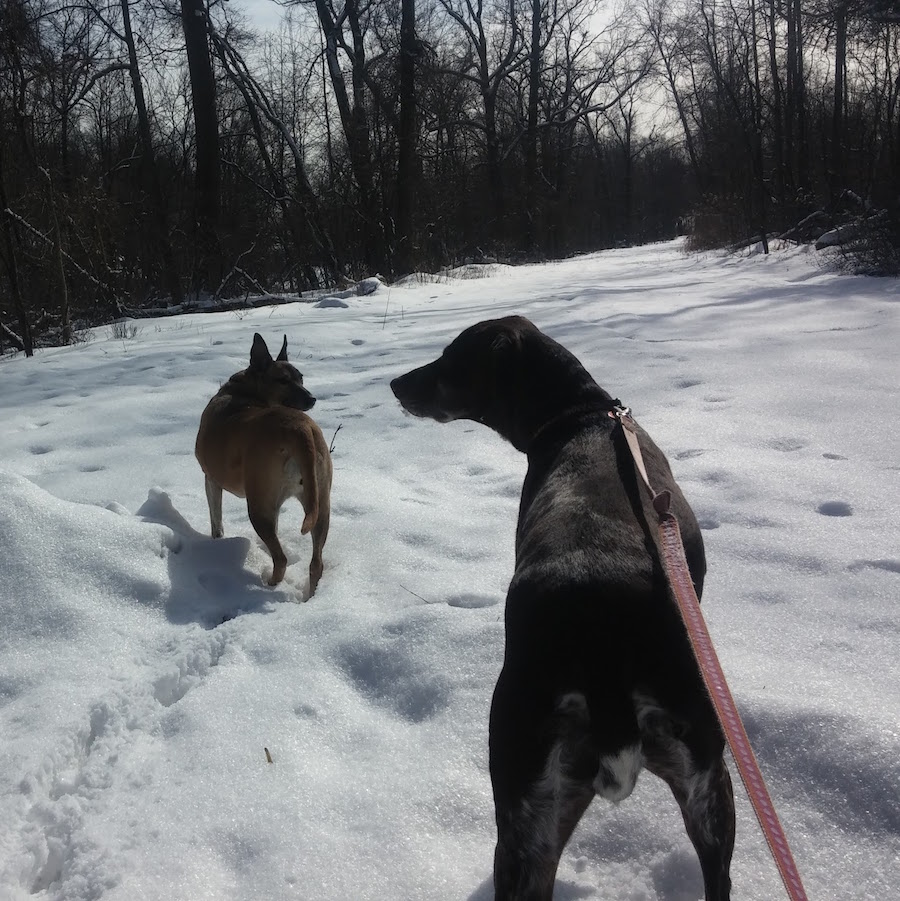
(306, 457)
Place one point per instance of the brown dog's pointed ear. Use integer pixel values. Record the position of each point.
(260, 358)
(282, 355)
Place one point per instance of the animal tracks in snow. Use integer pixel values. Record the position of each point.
(472, 601)
(890, 566)
(835, 508)
(188, 671)
(154, 607)
(688, 454)
(787, 445)
(75, 786)
(390, 678)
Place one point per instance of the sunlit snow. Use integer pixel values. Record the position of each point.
(144, 668)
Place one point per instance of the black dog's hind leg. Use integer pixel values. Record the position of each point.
(708, 812)
(694, 768)
(546, 766)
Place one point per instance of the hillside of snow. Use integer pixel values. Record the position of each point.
(144, 667)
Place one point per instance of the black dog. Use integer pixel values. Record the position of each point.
(598, 677)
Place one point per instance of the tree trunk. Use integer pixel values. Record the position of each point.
(355, 124)
(758, 164)
(494, 165)
(531, 136)
(406, 140)
(836, 168)
(59, 263)
(777, 112)
(12, 269)
(160, 225)
(800, 100)
(790, 106)
(206, 136)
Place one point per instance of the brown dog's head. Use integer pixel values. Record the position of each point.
(275, 381)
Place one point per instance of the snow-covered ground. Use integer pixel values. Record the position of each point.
(144, 668)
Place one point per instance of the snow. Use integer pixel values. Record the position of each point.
(144, 668)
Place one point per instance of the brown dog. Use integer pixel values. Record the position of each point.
(255, 441)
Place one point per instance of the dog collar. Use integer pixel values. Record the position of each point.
(580, 411)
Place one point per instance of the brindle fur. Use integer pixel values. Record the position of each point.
(598, 678)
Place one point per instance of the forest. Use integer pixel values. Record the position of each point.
(157, 153)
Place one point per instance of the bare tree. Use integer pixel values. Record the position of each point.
(160, 238)
(303, 196)
(406, 138)
(195, 22)
(493, 51)
(353, 113)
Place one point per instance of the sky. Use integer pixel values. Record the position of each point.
(265, 15)
(145, 668)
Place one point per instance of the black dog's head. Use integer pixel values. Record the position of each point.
(275, 381)
(505, 373)
(464, 382)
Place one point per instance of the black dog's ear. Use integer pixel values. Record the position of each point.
(282, 354)
(260, 358)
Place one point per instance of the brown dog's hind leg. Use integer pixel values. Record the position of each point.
(323, 518)
(214, 499)
(266, 525)
(319, 534)
(315, 497)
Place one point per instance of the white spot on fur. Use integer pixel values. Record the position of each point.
(619, 773)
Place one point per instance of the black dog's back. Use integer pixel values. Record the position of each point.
(583, 512)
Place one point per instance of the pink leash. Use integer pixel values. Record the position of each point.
(713, 677)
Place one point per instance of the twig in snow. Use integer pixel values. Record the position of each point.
(386, 304)
(414, 594)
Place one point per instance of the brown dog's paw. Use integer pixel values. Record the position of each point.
(315, 574)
